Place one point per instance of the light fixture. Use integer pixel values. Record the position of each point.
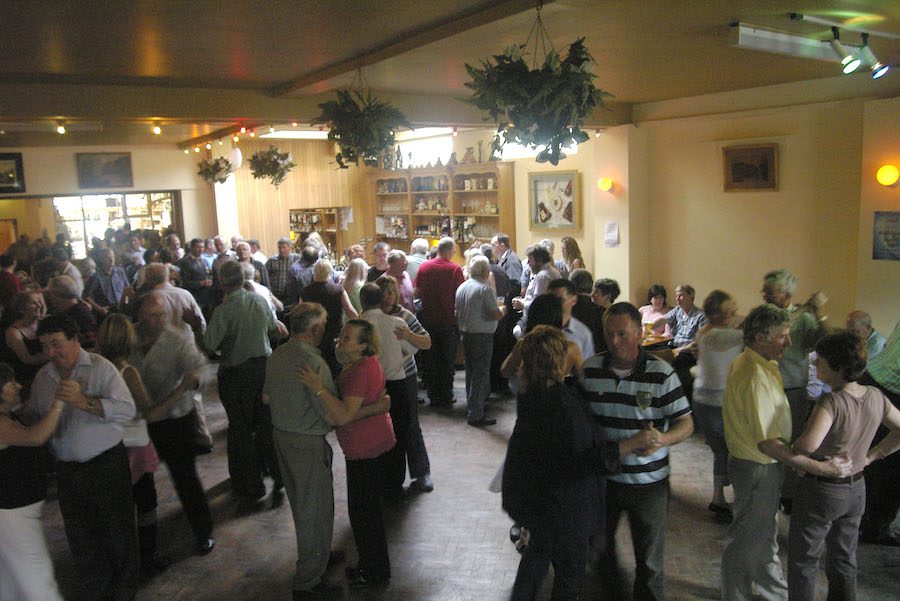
(605, 184)
(209, 145)
(252, 133)
(878, 69)
(157, 130)
(597, 133)
(236, 138)
(271, 129)
(243, 129)
(294, 124)
(60, 128)
(888, 175)
(221, 142)
(196, 149)
(455, 131)
(848, 60)
(186, 151)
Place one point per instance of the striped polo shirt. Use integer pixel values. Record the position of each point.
(614, 403)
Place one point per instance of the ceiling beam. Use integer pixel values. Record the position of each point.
(417, 39)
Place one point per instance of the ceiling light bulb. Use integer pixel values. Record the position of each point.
(209, 146)
(879, 70)
(157, 130)
(851, 66)
(61, 129)
(186, 151)
(271, 130)
(455, 131)
(235, 139)
(243, 130)
(252, 134)
(221, 142)
(294, 124)
(196, 149)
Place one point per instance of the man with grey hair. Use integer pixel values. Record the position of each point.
(244, 255)
(397, 264)
(105, 288)
(299, 427)
(477, 313)
(540, 264)
(177, 300)
(240, 328)
(279, 269)
(860, 323)
(758, 432)
(418, 254)
(436, 285)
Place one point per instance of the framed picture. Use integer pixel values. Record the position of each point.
(12, 176)
(104, 170)
(752, 167)
(886, 236)
(555, 200)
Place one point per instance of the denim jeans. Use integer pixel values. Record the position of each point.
(477, 349)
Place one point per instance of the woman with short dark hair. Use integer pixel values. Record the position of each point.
(655, 308)
(827, 511)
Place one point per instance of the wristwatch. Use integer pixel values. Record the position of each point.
(90, 403)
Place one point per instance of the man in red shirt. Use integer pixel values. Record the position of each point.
(436, 285)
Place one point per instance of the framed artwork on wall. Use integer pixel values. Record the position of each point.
(753, 167)
(886, 236)
(555, 200)
(104, 170)
(12, 176)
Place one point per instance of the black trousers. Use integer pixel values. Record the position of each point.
(365, 480)
(251, 450)
(882, 492)
(97, 507)
(395, 460)
(174, 441)
(441, 359)
(566, 551)
(682, 365)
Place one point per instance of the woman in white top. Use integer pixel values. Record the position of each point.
(655, 308)
(717, 345)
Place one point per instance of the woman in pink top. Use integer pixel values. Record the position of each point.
(827, 511)
(366, 434)
(655, 308)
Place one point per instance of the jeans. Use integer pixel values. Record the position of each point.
(647, 506)
(250, 446)
(710, 423)
(477, 349)
(441, 359)
(751, 546)
(824, 516)
(26, 571)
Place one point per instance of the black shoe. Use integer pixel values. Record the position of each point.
(206, 545)
(356, 578)
(891, 540)
(721, 511)
(484, 421)
(515, 533)
(422, 484)
(786, 505)
(321, 591)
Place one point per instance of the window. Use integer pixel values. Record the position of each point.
(84, 217)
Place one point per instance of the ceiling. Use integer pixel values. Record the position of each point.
(198, 68)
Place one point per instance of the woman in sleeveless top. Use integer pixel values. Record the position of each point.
(827, 511)
(117, 341)
(334, 298)
(26, 571)
(22, 349)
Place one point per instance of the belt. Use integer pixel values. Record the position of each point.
(847, 480)
(795, 388)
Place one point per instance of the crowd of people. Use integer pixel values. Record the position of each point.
(103, 359)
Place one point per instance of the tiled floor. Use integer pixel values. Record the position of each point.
(449, 545)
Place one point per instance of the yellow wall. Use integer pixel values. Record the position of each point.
(32, 215)
(712, 239)
(878, 282)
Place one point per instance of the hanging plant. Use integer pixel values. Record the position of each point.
(537, 106)
(215, 171)
(272, 164)
(363, 127)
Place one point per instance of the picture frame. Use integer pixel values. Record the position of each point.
(751, 167)
(554, 200)
(104, 170)
(12, 174)
(886, 236)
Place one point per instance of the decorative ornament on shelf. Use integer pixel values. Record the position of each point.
(537, 107)
(362, 126)
(271, 164)
(215, 171)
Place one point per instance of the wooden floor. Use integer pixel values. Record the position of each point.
(449, 545)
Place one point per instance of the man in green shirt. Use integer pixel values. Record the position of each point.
(239, 328)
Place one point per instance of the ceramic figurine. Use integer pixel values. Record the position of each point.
(398, 157)
(469, 157)
(453, 160)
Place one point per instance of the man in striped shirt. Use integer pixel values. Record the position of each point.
(630, 390)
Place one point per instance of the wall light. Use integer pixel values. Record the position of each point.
(605, 184)
(209, 145)
(186, 151)
(60, 128)
(196, 149)
(236, 138)
(888, 175)
(157, 130)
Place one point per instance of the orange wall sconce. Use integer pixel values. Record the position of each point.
(888, 175)
(605, 184)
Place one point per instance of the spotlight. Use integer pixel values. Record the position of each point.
(849, 62)
(157, 130)
(878, 69)
(60, 128)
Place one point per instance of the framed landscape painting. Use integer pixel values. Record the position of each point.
(753, 167)
(104, 170)
(555, 200)
(12, 176)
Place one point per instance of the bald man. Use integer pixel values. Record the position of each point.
(860, 323)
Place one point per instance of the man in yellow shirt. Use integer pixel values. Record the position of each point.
(757, 430)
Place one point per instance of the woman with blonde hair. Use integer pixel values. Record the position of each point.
(571, 254)
(552, 481)
(337, 304)
(354, 278)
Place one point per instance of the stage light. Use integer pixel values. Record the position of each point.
(878, 69)
(850, 63)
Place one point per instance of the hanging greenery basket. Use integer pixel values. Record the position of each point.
(363, 127)
(537, 107)
(215, 171)
(271, 164)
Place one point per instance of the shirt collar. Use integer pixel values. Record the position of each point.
(771, 365)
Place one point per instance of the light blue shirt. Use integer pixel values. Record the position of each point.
(81, 436)
(581, 335)
(875, 344)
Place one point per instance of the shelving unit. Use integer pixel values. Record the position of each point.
(469, 202)
(326, 221)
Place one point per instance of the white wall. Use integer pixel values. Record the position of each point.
(51, 171)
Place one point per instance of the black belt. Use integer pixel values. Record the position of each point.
(847, 480)
(795, 388)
